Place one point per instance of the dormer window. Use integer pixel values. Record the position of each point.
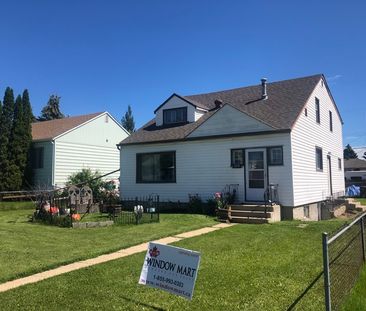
(175, 115)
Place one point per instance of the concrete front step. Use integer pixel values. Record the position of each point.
(257, 214)
(248, 220)
(354, 205)
(251, 208)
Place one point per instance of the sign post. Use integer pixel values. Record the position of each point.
(170, 268)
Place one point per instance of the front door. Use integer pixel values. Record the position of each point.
(255, 174)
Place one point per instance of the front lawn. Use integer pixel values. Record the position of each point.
(245, 267)
(357, 299)
(27, 247)
(7, 205)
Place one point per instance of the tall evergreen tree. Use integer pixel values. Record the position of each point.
(28, 119)
(6, 122)
(349, 153)
(52, 110)
(17, 153)
(127, 121)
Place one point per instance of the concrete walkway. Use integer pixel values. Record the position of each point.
(107, 257)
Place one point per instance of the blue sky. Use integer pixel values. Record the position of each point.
(104, 55)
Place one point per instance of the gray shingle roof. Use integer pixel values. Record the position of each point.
(352, 164)
(47, 130)
(285, 102)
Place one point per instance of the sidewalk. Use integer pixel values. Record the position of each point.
(106, 257)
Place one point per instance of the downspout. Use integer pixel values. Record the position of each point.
(119, 147)
(53, 163)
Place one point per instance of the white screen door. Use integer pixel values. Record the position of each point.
(255, 174)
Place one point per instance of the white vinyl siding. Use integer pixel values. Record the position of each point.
(310, 184)
(92, 145)
(229, 120)
(72, 157)
(204, 167)
(42, 177)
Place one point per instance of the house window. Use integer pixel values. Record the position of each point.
(156, 167)
(319, 158)
(317, 109)
(37, 157)
(237, 158)
(306, 211)
(176, 115)
(330, 121)
(275, 156)
(339, 164)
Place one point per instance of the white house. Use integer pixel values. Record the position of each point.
(287, 133)
(355, 171)
(65, 146)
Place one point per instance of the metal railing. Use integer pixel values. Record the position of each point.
(343, 259)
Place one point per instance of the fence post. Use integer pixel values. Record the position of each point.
(362, 222)
(328, 306)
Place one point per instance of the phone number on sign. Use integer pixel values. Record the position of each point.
(167, 280)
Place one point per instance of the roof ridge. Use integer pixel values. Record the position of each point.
(253, 85)
(70, 117)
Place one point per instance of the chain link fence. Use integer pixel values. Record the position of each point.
(343, 259)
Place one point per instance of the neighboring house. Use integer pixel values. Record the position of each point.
(355, 172)
(361, 152)
(65, 146)
(287, 133)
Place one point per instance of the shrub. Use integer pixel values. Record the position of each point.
(209, 208)
(195, 203)
(92, 179)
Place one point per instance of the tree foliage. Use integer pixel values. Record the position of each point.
(6, 122)
(127, 121)
(28, 119)
(17, 152)
(52, 109)
(15, 139)
(349, 153)
(87, 176)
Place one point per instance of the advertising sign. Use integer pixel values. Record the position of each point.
(170, 268)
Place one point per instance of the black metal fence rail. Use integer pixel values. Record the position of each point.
(132, 218)
(136, 210)
(343, 259)
(149, 203)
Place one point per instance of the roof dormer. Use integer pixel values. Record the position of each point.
(177, 110)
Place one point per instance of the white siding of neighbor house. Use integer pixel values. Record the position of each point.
(193, 114)
(204, 167)
(309, 184)
(92, 145)
(42, 177)
(229, 120)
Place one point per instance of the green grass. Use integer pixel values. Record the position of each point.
(245, 267)
(357, 298)
(16, 205)
(27, 247)
(95, 217)
(356, 301)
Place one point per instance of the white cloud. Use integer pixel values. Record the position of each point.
(334, 78)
